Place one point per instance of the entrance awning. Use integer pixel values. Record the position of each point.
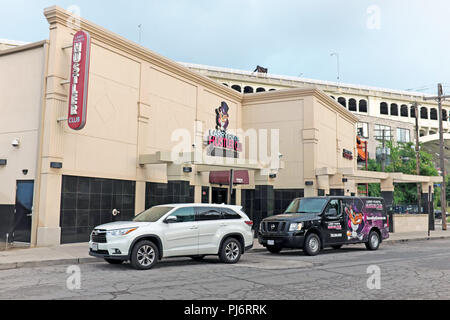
(223, 177)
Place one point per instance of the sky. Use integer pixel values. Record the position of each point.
(398, 44)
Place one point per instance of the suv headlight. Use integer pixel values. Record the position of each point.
(120, 232)
(296, 227)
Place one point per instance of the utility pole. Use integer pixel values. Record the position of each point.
(440, 97)
(383, 152)
(419, 193)
(338, 68)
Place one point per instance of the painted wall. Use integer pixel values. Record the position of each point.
(21, 80)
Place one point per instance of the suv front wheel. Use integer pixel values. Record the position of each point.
(145, 255)
(231, 251)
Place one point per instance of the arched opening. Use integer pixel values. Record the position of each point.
(363, 106)
(225, 84)
(433, 114)
(384, 108)
(237, 88)
(404, 110)
(333, 98)
(423, 113)
(343, 102)
(273, 90)
(394, 109)
(413, 111)
(248, 90)
(444, 115)
(352, 105)
(260, 90)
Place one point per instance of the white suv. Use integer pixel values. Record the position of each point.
(179, 230)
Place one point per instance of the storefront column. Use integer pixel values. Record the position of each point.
(264, 201)
(139, 202)
(198, 194)
(426, 187)
(323, 182)
(337, 187)
(387, 192)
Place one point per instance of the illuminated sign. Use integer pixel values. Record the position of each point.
(347, 154)
(220, 143)
(79, 80)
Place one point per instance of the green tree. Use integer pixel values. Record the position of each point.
(402, 159)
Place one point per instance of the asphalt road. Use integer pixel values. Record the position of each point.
(413, 270)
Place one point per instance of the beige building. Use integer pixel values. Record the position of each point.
(153, 136)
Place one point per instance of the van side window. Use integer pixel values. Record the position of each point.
(334, 204)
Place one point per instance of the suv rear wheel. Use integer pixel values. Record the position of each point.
(374, 241)
(144, 255)
(231, 251)
(312, 245)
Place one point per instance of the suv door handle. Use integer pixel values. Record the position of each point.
(193, 228)
(224, 225)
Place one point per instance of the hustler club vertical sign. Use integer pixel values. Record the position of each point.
(79, 80)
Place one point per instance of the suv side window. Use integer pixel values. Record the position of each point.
(184, 214)
(229, 214)
(333, 204)
(208, 214)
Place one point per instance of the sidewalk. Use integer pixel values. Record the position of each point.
(78, 253)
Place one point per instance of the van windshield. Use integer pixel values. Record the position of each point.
(152, 214)
(299, 206)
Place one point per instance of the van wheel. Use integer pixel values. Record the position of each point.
(312, 245)
(230, 252)
(374, 241)
(273, 249)
(337, 247)
(144, 255)
(113, 261)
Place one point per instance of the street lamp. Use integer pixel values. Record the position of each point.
(338, 67)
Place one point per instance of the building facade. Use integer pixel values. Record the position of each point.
(156, 132)
(377, 109)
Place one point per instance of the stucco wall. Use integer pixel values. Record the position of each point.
(21, 80)
(410, 222)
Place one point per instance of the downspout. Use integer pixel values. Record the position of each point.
(37, 188)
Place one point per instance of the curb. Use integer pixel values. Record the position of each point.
(77, 261)
(45, 263)
(385, 242)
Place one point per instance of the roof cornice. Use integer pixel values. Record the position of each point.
(57, 15)
(296, 93)
(25, 47)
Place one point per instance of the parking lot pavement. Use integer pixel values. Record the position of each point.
(413, 270)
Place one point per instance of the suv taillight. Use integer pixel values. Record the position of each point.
(249, 223)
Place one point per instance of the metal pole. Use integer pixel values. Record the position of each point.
(419, 193)
(230, 190)
(367, 167)
(442, 161)
(383, 154)
(429, 208)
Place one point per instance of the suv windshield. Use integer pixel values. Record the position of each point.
(152, 215)
(306, 206)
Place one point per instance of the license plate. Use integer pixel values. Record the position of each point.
(95, 246)
(271, 242)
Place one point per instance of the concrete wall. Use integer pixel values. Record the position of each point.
(21, 87)
(410, 222)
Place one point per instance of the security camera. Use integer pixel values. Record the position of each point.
(194, 145)
(15, 142)
(280, 156)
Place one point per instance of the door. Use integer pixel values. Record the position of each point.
(220, 196)
(23, 211)
(209, 225)
(334, 223)
(181, 237)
